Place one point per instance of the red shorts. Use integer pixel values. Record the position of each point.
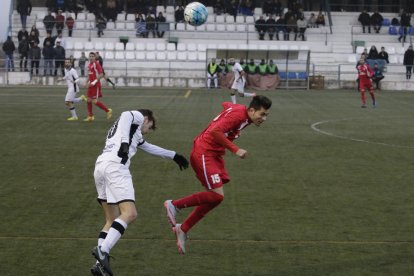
(209, 170)
(94, 92)
(365, 83)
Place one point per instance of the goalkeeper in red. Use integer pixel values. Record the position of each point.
(365, 74)
(208, 163)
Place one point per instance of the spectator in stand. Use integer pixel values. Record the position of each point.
(35, 54)
(320, 19)
(130, 7)
(22, 33)
(219, 7)
(33, 38)
(260, 26)
(409, 61)
(405, 24)
(232, 7)
(291, 26)
(72, 60)
(70, 23)
(90, 5)
(364, 55)
(59, 38)
(268, 7)
(395, 22)
(243, 64)
(60, 21)
(246, 8)
(51, 5)
(82, 63)
(179, 15)
(111, 10)
(24, 8)
(281, 27)
(222, 67)
(9, 48)
(272, 68)
(100, 25)
(271, 26)
(140, 25)
(60, 5)
(23, 49)
(48, 56)
(301, 26)
(72, 6)
(50, 39)
(373, 53)
(377, 77)
(251, 68)
(312, 21)
(383, 55)
(376, 21)
(365, 21)
(35, 30)
(49, 22)
(150, 22)
(278, 8)
(59, 55)
(160, 19)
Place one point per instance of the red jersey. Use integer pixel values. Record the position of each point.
(364, 71)
(95, 69)
(222, 130)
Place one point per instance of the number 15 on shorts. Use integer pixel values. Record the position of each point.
(215, 178)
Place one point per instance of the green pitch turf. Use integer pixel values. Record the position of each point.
(327, 188)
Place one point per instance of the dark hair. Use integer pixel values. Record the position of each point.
(148, 113)
(92, 53)
(260, 101)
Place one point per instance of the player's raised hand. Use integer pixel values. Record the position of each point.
(181, 161)
(241, 153)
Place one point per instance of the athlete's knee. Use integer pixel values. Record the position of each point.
(217, 198)
(68, 104)
(241, 94)
(94, 101)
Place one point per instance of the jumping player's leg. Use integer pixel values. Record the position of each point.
(240, 89)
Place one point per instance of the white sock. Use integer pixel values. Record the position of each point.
(73, 112)
(233, 98)
(249, 94)
(77, 100)
(114, 234)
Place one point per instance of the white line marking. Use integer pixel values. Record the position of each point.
(315, 128)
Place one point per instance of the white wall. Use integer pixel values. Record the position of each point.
(5, 11)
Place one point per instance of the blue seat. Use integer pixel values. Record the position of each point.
(302, 75)
(386, 22)
(292, 75)
(392, 30)
(411, 30)
(283, 75)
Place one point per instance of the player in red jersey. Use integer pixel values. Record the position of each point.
(208, 163)
(365, 74)
(94, 88)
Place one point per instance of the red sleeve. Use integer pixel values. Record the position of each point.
(222, 140)
(98, 68)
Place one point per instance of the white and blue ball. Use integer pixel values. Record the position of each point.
(195, 14)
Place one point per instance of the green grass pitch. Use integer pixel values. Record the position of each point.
(326, 189)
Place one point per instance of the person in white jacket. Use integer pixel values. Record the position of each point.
(113, 179)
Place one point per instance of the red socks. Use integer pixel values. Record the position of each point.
(205, 202)
(101, 106)
(89, 105)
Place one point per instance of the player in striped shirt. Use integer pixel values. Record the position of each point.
(71, 77)
(94, 88)
(113, 179)
(208, 163)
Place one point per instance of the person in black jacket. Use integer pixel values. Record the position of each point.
(48, 55)
(22, 33)
(365, 20)
(260, 26)
(49, 21)
(409, 61)
(23, 52)
(383, 55)
(376, 21)
(405, 24)
(160, 19)
(24, 8)
(35, 55)
(59, 55)
(9, 48)
(271, 26)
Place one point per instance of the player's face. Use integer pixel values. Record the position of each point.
(68, 64)
(92, 58)
(258, 116)
(146, 127)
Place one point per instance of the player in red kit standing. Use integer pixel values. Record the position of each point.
(208, 163)
(94, 88)
(365, 74)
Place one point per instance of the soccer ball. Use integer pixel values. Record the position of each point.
(195, 14)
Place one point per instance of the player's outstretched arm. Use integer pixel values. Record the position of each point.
(181, 161)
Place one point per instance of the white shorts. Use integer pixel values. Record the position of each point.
(71, 94)
(239, 84)
(113, 182)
